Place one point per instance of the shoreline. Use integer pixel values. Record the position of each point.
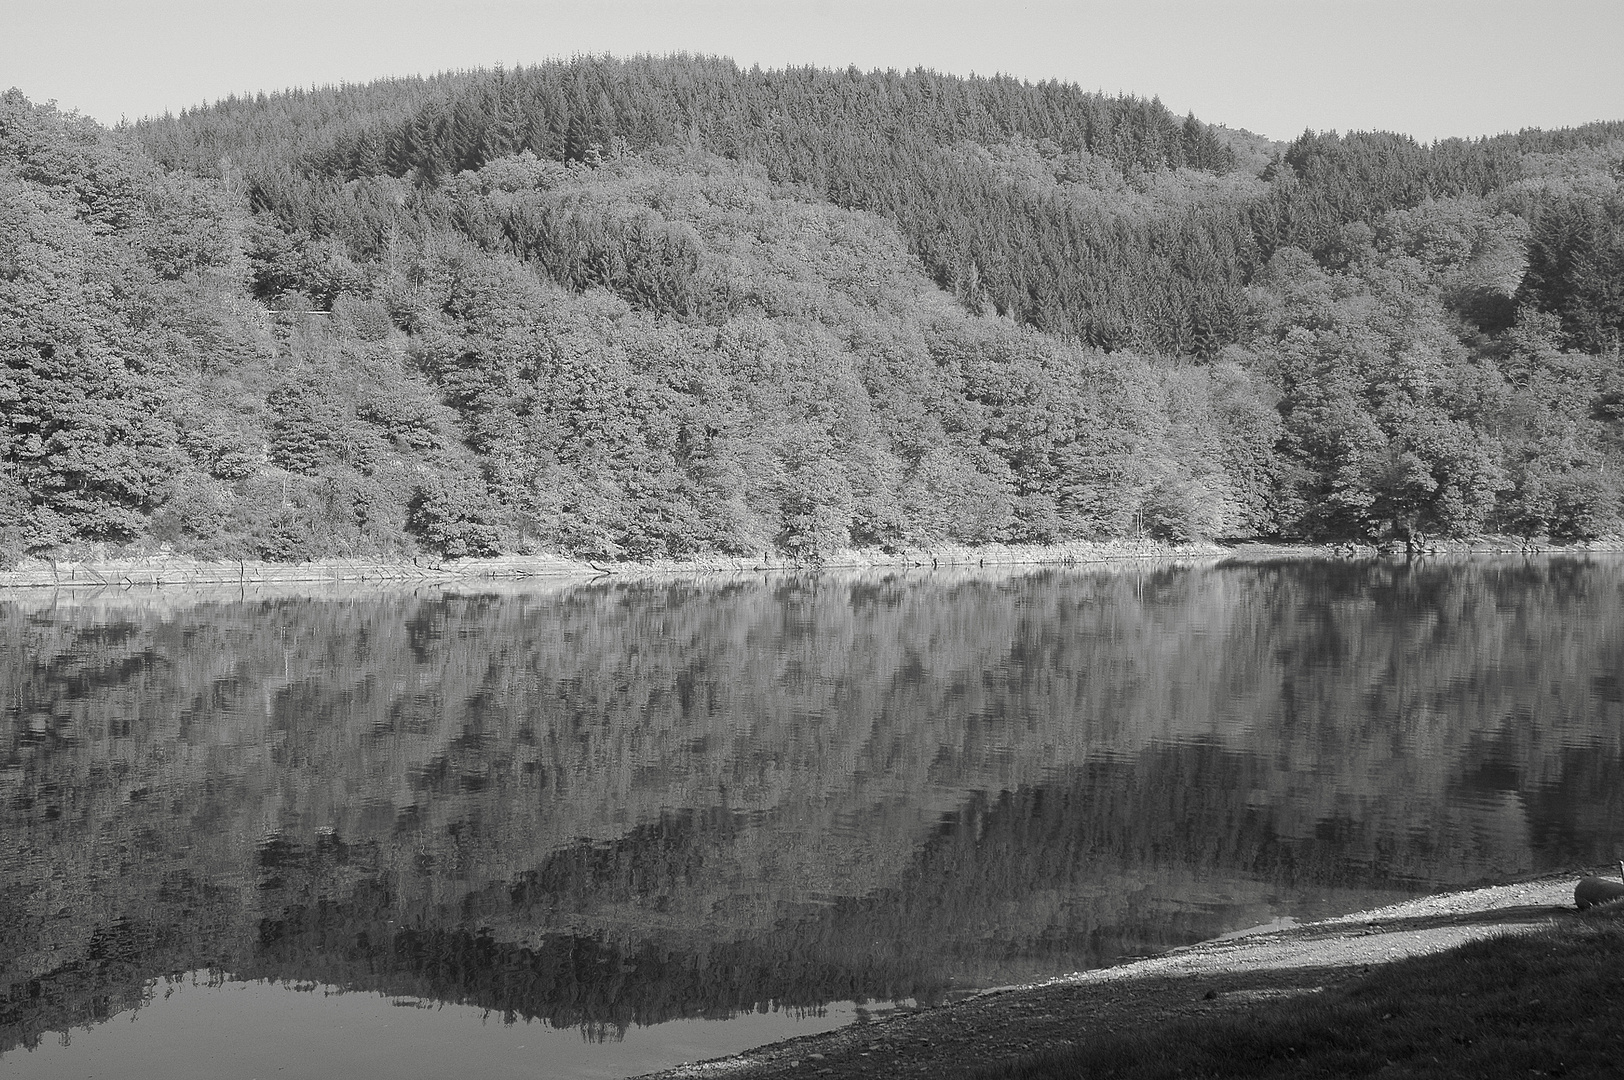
(1224, 976)
(165, 570)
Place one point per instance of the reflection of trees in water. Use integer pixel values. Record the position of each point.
(187, 926)
(119, 958)
(592, 982)
(1179, 745)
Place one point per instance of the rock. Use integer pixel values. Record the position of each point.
(1592, 891)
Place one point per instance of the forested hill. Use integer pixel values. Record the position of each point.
(657, 307)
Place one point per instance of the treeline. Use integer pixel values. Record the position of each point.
(663, 356)
(1044, 249)
(629, 309)
(882, 142)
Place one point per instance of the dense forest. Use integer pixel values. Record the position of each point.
(660, 307)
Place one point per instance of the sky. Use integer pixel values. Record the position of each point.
(1428, 68)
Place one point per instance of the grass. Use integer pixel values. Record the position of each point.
(1549, 1003)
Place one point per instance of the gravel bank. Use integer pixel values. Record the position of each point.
(1224, 975)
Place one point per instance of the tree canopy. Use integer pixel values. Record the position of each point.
(659, 307)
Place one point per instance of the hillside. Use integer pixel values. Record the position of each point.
(659, 307)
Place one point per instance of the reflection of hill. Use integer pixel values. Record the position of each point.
(793, 770)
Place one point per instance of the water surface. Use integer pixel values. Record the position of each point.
(675, 819)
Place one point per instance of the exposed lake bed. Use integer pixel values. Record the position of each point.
(1225, 978)
(609, 807)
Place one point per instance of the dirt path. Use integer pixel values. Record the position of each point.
(1211, 978)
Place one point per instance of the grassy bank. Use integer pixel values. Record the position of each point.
(1549, 1003)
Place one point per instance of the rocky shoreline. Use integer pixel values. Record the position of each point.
(1224, 976)
(164, 569)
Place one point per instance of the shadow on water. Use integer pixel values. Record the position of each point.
(618, 805)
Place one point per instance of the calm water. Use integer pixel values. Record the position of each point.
(594, 830)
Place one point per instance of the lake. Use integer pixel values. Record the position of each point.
(594, 829)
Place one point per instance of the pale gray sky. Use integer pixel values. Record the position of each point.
(1427, 67)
